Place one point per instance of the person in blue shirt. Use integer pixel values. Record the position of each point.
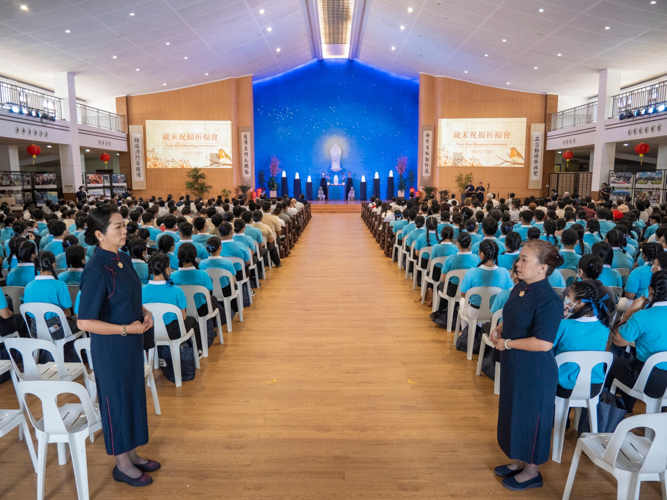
(12, 257)
(162, 290)
(585, 328)
(241, 236)
(170, 224)
(416, 233)
(582, 247)
(46, 288)
(20, 230)
(76, 260)
(80, 231)
(592, 235)
(147, 222)
(640, 277)
(570, 257)
(622, 259)
(445, 248)
(185, 233)
(24, 272)
(608, 276)
(487, 273)
(498, 302)
(410, 226)
(489, 230)
(254, 233)
(59, 230)
(61, 259)
(137, 250)
(166, 246)
(506, 227)
(470, 226)
(509, 256)
(526, 220)
(549, 230)
(38, 217)
(215, 261)
(200, 232)
(464, 259)
(631, 246)
(7, 232)
(643, 324)
(533, 234)
(654, 223)
(428, 239)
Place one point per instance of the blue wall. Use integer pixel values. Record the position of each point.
(371, 114)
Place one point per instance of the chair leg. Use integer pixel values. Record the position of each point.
(560, 420)
(203, 332)
(480, 358)
(572, 473)
(77, 446)
(496, 382)
(156, 401)
(239, 305)
(28, 441)
(42, 449)
(176, 361)
(663, 485)
(593, 414)
(63, 454)
(628, 487)
(228, 315)
(436, 299)
(195, 352)
(219, 322)
(450, 315)
(457, 329)
(472, 331)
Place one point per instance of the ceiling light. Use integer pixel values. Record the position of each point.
(625, 144)
(114, 57)
(67, 31)
(402, 28)
(559, 55)
(661, 107)
(117, 154)
(535, 67)
(541, 10)
(508, 83)
(278, 49)
(131, 13)
(205, 74)
(486, 55)
(410, 10)
(24, 7)
(607, 27)
(393, 48)
(87, 150)
(261, 11)
(168, 43)
(465, 71)
(137, 69)
(49, 146)
(560, 152)
(269, 29)
(504, 40)
(164, 84)
(652, 2)
(185, 57)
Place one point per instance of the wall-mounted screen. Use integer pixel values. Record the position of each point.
(482, 142)
(188, 144)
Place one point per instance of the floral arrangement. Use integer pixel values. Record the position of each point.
(401, 167)
(274, 169)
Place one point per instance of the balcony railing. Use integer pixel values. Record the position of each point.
(29, 102)
(99, 118)
(639, 99)
(581, 115)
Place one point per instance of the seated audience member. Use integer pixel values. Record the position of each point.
(608, 276)
(185, 233)
(268, 235)
(533, 233)
(215, 261)
(75, 257)
(487, 272)
(509, 256)
(200, 232)
(589, 269)
(137, 250)
(570, 257)
(24, 272)
(59, 230)
(170, 224)
(68, 241)
(622, 260)
(640, 277)
(445, 248)
(231, 248)
(643, 324)
(526, 220)
(166, 246)
(489, 230)
(463, 259)
(148, 222)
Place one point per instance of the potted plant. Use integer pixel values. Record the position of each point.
(429, 190)
(411, 178)
(226, 193)
(274, 169)
(197, 183)
(261, 178)
(401, 167)
(462, 181)
(244, 188)
(444, 194)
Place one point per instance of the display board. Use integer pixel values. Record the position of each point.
(482, 142)
(649, 185)
(45, 181)
(188, 144)
(622, 184)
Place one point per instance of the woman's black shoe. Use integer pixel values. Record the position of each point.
(150, 466)
(143, 480)
(512, 484)
(505, 471)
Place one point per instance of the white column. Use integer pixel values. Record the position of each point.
(70, 154)
(9, 158)
(591, 161)
(604, 153)
(661, 163)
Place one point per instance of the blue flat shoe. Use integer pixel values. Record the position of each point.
(512, 484)
(505, 471)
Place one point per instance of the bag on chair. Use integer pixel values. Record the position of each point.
(611, 411)
(428, 297)
(462, 341)
(187, 361)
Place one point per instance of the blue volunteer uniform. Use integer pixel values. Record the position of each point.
(217, 262)
(162, 292)
(21, 275)
(71, 276)
(141, 268)
(193, 276)
(581, 334)
(485, 276)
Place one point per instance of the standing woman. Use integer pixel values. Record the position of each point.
(111, 310)
(529, 375)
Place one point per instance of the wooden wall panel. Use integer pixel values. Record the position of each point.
(449, 98)
(230, 99)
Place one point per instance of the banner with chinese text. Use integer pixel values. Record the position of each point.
(246, 150)
(137, 161)
(481, 142)
(188, 144)
(427, 149)
(536, 155)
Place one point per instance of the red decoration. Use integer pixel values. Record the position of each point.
(641, 149)
(34, 150)
(105, 157)
(568, 155)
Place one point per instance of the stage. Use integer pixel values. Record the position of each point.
(335, 207)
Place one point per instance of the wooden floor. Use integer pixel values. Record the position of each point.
(337, 385)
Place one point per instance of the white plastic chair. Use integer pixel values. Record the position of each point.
(190, 292)
(495, 319)
(624, 274)
(630, 458)
(653, 405)
(162, 338)
(581, 394)
(215, 275)
(245, 281)
(559, 290)
(69, 424)
(618, 292)
(409, 259)
(16, 294)
(568, 275)
(451, 301)
(418, 266)
(471, 316)
(52, 371)
(260, 262)
(38, 310)
(397, 248)
(427, 277)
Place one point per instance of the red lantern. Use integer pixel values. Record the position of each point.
(34, 150)
(568, 155)
(641, 149)
(105, 157)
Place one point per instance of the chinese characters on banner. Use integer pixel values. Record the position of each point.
(137, 153)
(536, 148)
(427, 151)
(246, 153)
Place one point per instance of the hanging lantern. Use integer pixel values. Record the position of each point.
(105, 157)
(34, 150)
(568, 155)
(641, 149)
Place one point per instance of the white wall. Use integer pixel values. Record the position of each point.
(105, 104)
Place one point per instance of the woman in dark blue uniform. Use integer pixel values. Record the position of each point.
(529, 374)
(110, 308)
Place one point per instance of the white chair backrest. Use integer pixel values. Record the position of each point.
(459, 273)
(239, 261)
(624, 274)
(433, 261)
(38, 310)
(48, 392)
(485, 293)
(422, 252)
(399, 233)
(495, 319)
(655, 461)
(587, 361)
(215, 275)
(568, 275)
(190, 292)
(159, 310)
(559, 290)
(618, 292)
(27, 348)
(82, 346)
(15, 292)
(659, 357)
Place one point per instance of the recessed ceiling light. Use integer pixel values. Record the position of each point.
(393, 48)
(24, 7)
(486, 55)
(504, 40)
(185, 57)
(653, 2)
(261, 11)
(559, 55)
(67, 31)
(278, 49)
(541, 10)
(164, 84)
(535, 67)
(117, 154)
(508, 83)
(626, 142)
(137, 69)
(131, 13)
(269, 29)
(168, 43)
(205, 74)
(402, 28)
(114, 57)
(87, 150)
(465, 71)
(560, 152)
(49, 146)
(410, 10)
(607, 27)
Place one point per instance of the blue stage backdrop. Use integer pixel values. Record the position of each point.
(337, 117)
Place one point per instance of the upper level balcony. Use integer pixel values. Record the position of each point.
(573, 117)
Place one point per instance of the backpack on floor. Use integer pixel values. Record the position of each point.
(187, 361)
(462, 341)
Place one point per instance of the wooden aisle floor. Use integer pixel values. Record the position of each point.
(337, 385)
